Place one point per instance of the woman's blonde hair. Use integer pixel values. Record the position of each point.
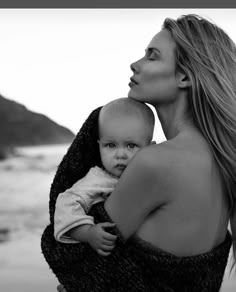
(206, 54)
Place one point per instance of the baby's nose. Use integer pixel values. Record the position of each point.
(121, 153)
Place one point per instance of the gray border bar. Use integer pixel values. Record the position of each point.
(117, 4)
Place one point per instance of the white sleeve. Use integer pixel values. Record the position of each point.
(69, 213)
(74, 203)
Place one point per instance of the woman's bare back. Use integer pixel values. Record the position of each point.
(194, 218)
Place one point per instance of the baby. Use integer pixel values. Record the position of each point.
(124, 127)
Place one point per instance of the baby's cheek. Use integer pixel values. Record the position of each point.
(131, 156)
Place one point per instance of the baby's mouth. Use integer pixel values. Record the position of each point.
(121, 166)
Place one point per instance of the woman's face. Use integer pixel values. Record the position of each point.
(154, 79)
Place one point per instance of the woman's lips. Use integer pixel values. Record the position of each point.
(133, 82)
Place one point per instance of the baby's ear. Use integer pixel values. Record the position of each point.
(153, 142)
(98, 141)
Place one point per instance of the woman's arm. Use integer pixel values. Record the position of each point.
(140, 190)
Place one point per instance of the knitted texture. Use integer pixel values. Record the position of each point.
(80, 157)
(133, 265)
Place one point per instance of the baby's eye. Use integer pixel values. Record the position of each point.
(110, 145)
(131, 146)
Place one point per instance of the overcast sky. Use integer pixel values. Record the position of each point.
(66, 62)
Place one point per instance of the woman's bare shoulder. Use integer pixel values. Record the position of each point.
(159, 156)
(169, 164)
(176, 153)
(161, 164)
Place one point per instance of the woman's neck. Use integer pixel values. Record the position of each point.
(175, 119)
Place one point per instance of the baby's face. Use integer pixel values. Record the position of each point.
(120, 139)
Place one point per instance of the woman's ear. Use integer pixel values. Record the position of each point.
(183, 80)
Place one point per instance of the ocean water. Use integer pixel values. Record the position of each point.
(25, 183)
(24, 196)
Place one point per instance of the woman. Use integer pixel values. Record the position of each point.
(188, 75)
(173, 203)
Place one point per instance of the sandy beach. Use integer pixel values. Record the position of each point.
(23, 268)
(24, 191)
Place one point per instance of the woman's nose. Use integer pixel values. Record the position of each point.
(134, 67)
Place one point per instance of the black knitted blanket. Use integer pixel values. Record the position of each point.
(134, 265)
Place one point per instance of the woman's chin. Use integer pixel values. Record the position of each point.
(136, 97)
(132, 94)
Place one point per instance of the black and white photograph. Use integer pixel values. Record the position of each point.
(117, 150)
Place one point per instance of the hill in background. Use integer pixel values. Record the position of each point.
(22, 127)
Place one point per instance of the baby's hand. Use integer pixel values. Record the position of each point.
(60, 288)
(100, 240)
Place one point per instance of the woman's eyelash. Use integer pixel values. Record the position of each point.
(152, 56)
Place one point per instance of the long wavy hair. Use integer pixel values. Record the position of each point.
(206, 54)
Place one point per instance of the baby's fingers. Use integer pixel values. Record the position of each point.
(108, 242)
(103, 253)
(108, 236)
(60, 288)
(105, 247)
(107, 225)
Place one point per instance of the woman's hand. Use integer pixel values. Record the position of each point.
(60, 288)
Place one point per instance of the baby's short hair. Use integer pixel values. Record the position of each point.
(129, 107)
